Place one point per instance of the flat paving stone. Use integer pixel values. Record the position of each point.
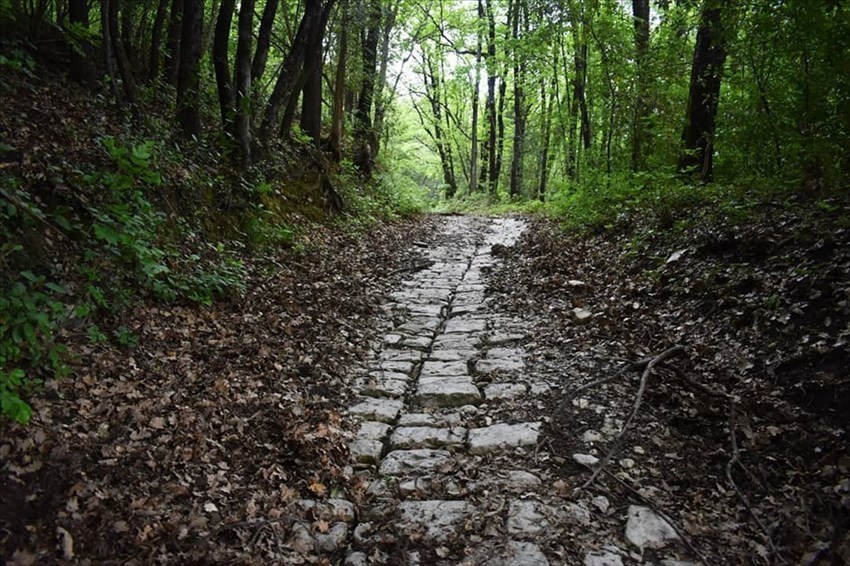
(392, 388)
(436, 520)
(502, 436)
(447, 392)
(456, 342)
(501, 353)
(427, 437)
(372, 430)
(465, 326)
(402, 356)
(528, 518)
(430, 419)
(382, 410)
(365, 451)
(397, 366)
(434, 369)
(451, 355)
(421, 460)
(505, 390)
(421, 343)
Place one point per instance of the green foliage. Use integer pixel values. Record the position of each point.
(31, 312)
(389, 195)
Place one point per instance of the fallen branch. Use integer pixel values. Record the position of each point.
(668, 353)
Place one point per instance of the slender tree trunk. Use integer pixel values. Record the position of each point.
(108, 59)
(171, 68)
(696, 160)
(209, 31)
(380, 87)
(221, 63)
(156, 41)
(311, 94)
(264, 40)
(242, 80)
(338, 112)
(519, 101)
(547, 103)
(640, 129)
(476, 88)
(432, 92)
(363, 132)
(285, 83)
(188, 79)
(128, 81)
(493, 175)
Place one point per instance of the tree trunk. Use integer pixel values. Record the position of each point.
(696, 161)
(209, 31)
(311, 94)
(128, 81)
(547, 103)
(221, 63)
(476, 88)
(493, 175)
(432, 92)
(188, 79)
(171, 68)
(640, 129)
(108, 59)
(363, 133)
(156, 41)
(519, 100)
(242, 80)
(264, 40)
(380, 103)
(338, 112)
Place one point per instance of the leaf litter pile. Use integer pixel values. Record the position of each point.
(219, 416)
(739, 434)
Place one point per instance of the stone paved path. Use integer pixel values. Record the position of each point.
(451, 479)
(449, 441)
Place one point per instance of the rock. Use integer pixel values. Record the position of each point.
(601, 502)
(603, 557)
(501, 436)
(420, 485)
(303, 541)
(519, 553)
(421, 343)
(645, 529)
(438, 519)
(443, 369)
(577, 513)
(383, 410)
(397, 366)
(504, 390)
(456, 342)
(575, 283)
(391, 388)
(429, 419)
(580, 315)
(401, 462)
(371, 430)
(504, 353)
(528, 518)
(591, 436)
(586, 459)
(356, 559)
(447, 392)
(366, 451)
(426, 437)
(627, 463)
(461, 325)
(520, 479)
(451, 355)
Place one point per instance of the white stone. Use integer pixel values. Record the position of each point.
(585, 459)
(602, 558)
(501, 436)
(447, 392)
(366, 451)
(383, 410)
(645, 529)
(400, 462)
(506, 365)
(528, 518)
(426, 437)
(504, 390)
(371, 430)
(580, 315)
(520, 553)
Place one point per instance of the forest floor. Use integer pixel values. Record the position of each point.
(430, 394)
